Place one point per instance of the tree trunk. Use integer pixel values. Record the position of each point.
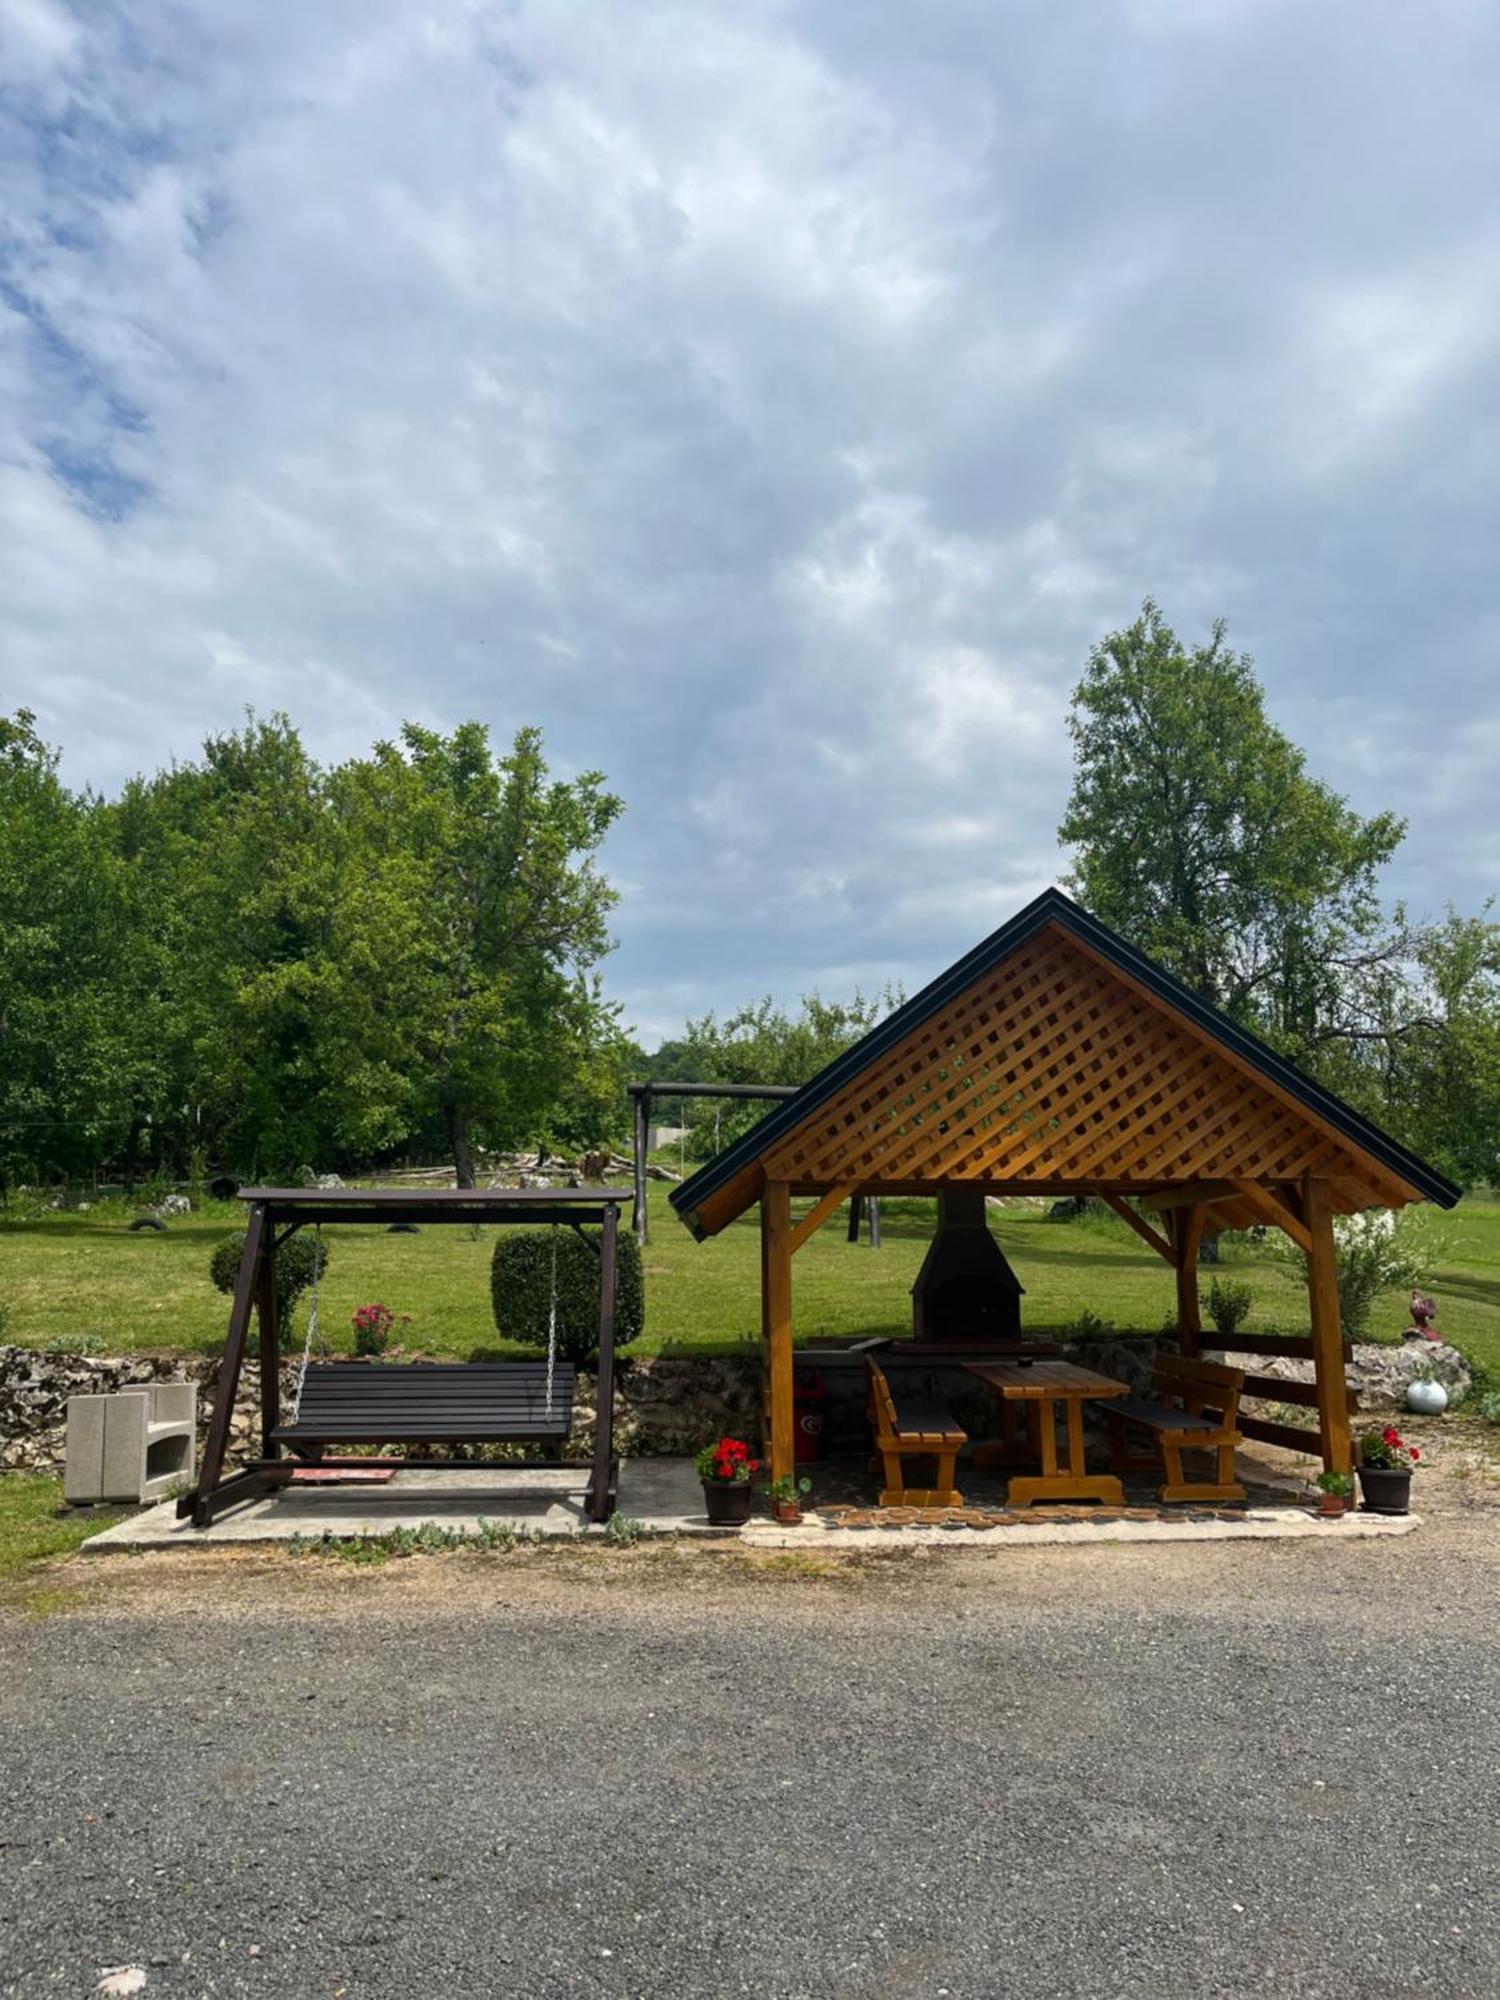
(458, 1145)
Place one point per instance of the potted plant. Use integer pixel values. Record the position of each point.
(787, 1495)
(1336, 1490)
(1425, 1393)
(727, 1469)
(1386, 1464)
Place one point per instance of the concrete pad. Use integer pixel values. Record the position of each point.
(663, 1493)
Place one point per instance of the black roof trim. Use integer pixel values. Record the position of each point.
(1052, 906)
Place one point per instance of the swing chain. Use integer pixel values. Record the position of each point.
(552, 1325)
(312, 1320)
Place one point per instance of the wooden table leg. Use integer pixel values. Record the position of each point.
(1014, 1445)
(1074, 1483)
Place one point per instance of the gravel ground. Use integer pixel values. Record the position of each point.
(1216, 1770)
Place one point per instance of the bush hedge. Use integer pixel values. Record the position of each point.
(295, 1261)
(521, 1289)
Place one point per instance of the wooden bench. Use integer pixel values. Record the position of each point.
(911, 1428)
(430, 1402)
(1193, 1406)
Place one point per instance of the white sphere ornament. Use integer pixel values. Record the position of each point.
(1428, 1399)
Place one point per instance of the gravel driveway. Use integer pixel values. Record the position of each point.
(1219, 1770)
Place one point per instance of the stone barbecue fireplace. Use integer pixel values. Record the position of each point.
(965, 1290)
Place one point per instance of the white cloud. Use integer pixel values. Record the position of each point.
(775, 404)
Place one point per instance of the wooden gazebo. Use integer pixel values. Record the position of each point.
(1056, 1059)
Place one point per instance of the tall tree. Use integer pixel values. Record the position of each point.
(474, 905)
(71, 1046)
(1198, 832)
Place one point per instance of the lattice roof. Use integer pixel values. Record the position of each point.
(1057, 1058)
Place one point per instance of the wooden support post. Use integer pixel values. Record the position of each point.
(1187, 1231)
(856, 1209)
(601, 1498)
(776, 1323)
(1327, 1329)
(200, 1501)
(270, 1350)
(642, 1132)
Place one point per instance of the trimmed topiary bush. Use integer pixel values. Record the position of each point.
(521, 1288)
(295, 1262)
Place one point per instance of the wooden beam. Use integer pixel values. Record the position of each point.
(818, 1214)
(601, 1493)
(640, 1135)
(1271, 1389)
(1327, 1329)
(211, 1472)
(270, 1349)
(1297, 1346)
(1275, 1211)
(776, 1323)
(1290, 1437)
(1188, 1195)
(1187, 1233)
(1142, 1229)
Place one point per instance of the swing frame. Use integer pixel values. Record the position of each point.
(276, 1214)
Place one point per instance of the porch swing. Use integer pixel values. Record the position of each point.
(420, 1402)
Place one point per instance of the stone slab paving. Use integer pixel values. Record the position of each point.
(664, 1496)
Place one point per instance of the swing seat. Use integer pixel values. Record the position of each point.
(436, 1402)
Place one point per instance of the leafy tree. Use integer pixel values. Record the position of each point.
(239, 890)
(761, 1043)
(1441, 1074)
(475, 913)
(70, 1052)
(1200, 835)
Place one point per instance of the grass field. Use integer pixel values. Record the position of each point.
(34, 1525)
(67, 1277)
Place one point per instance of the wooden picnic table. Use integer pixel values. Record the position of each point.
(1036, 1389)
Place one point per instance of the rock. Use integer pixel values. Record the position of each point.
(173, 1204)
(1379, 1373)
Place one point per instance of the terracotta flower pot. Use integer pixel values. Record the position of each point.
(1386, 1488)
(1332, 1506)
(787, 1512)
(727, 1502)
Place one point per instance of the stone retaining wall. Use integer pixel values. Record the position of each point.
(666, 1405)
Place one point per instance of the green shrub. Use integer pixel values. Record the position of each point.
(1089, 1325)
(521, 1287)
(1489, 1406)
(1229, 1306)
(296, 1261)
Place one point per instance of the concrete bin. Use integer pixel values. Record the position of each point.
(133, 1445)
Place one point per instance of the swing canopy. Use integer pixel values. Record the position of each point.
(416, 1402)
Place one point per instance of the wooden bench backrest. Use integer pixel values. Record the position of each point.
(882, 1403)
(1198, 1385)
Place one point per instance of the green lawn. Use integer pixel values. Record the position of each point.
(66, 1276)
(34, 1524)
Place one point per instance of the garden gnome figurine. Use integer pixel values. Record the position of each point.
(1422, 1326)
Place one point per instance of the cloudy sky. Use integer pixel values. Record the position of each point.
(772, 401)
